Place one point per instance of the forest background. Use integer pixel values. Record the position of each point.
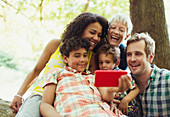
(26, 26)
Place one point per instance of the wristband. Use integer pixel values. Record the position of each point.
(19, 97)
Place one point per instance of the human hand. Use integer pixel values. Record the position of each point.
(115, 99)
(124, 83)
(112, 106)
(15, 104)
(123, 106)
(117, 112)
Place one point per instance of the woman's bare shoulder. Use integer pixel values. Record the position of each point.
(53, 45)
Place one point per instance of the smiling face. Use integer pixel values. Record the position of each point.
(93, 32)
(78, 59)
(106, 62)
(117, 33)
(137, 60)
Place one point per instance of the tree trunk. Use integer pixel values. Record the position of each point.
(149, 16)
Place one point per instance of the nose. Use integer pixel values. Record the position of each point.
(133, 58)
(104, 64)
(82, 58)
(116, 31)
(96, 37)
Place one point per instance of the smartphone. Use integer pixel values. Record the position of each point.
(108, 78)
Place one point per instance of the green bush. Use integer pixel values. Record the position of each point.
(7, 60)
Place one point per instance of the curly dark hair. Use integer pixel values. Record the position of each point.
(108, 49)
(74, 43)
(78, 25)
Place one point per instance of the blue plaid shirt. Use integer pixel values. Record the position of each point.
(155, 101)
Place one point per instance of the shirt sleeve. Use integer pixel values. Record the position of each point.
(51, 76)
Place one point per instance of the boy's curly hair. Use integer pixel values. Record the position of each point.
(108, 49)
(74, 43)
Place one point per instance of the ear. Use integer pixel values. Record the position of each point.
(151, 57)
(117, 64)
(127, 36)
(65, 59)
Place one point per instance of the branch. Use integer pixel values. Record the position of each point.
(41, 7)
(87, 5)
(7, 3)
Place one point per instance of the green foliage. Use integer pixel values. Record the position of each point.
(7, 60)
(34, 24)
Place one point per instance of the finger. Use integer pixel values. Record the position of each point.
(119, 112)
(126, 111)
(123, 84)
(126, 82)
(129, 77)
(14, 109)
(11, 106)
(116, 101)
(120, 84)
(18, 106)
(116, 111)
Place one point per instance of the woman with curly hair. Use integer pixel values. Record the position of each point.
(86, 25)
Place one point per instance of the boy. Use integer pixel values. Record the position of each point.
(72, 88)
(108, 58)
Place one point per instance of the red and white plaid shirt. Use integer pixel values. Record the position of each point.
(76, 94)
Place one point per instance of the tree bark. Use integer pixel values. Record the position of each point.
(149, 16)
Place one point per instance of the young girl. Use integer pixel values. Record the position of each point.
(86, 25)
(108, 58)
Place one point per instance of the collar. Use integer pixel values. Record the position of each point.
(86, 72)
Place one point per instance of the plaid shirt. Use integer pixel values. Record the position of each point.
(76, 94)
(155, 101)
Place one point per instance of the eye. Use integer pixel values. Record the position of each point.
(77, 56)
(112, 27)
(129, 54)
(100, 35)
(100, 62)
(138, 53)
(122, 30)
(92, 32)
(107, 62)
(85, 55)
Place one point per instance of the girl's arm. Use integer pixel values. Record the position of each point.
(44, 58)
(46, 107)
(123, 105)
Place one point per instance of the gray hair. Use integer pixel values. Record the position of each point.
(124, 19)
